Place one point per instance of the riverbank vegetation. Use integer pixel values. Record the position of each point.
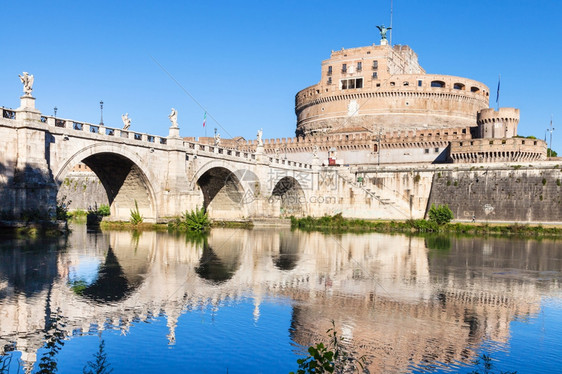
(338, 224)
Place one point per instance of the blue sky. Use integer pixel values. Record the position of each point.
(244, 61)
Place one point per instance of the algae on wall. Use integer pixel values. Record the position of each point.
(84, 190)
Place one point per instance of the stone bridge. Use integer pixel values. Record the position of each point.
(163, 176)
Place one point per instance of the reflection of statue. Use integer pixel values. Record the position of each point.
(126, 121)
(383, 31)
(217, 139)
(259, 139)
(174, 118)
(315, 151)
(27, 81)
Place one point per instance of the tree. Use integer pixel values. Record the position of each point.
(100, 364)
(440, 214)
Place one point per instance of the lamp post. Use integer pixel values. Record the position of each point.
(55, 110)
(550, 130)
(101, 111)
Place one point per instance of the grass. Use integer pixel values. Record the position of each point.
(338, 224)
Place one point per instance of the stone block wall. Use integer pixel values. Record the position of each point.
(514, 193)
(83, 190)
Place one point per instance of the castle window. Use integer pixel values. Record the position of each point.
(375, 65)
(436, 150)
(419, 83)
(426, 150)
(375, 75)
(406, 83)
(458, 86)
(329, 80)
(346, 84)
(378, 84)
(392, 83)
(329, 70)
(344, 68)
(359, 66)
(474, 89)
(438, 84)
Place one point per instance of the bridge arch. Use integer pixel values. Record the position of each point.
(124, 176)
(289, 195)
(225, 190)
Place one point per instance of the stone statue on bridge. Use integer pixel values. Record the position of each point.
(126, 121)
(259, 138)
(27, 81)
(315, 151)
(174, 118)
(217, 139)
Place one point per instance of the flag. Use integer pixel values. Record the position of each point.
(498, 93)
(204, 119)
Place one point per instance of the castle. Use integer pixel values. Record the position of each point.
(376, 104)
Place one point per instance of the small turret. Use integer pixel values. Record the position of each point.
(497, 124)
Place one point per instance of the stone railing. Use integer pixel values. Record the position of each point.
(249, 155)
(8, 113)
(89, 128)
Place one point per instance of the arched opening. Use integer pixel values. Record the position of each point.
(438, 84)
(124, 186)
(288, 192)
(474, 89)
(458, 86)
(223, 194)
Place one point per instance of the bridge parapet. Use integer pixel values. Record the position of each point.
(87, 128)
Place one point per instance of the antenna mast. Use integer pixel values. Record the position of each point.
(390, 41)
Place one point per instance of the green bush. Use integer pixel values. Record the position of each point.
(103, 210)
(331, 359)
(62, 209)
(440, 214)
(195, 221)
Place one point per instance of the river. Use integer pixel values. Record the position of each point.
(251, 301)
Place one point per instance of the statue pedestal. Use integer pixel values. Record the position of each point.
(174, 132)
(261, 157)
(384, 42)
(27, 104)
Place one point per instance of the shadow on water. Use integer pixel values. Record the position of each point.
(29, 266)
(110, 285)
(214, 268)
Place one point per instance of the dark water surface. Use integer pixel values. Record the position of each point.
(247, 301)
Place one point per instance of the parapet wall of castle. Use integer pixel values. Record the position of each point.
(498, 150)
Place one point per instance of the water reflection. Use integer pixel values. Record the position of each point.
(403, 302)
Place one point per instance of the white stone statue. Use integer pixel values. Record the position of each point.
(315, 151)
(27, 81)
(174, 118)
(259, 137)
(126, 121)
(217, 139)
(277, 152)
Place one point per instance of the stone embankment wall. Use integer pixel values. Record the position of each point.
(512, 193)
(83, 190)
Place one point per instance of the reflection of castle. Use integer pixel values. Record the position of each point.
(392, 299)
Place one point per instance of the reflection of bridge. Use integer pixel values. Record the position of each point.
(350, 280)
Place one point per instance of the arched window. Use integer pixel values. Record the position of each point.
(458, 86)
(439, 84)
(474, 89)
